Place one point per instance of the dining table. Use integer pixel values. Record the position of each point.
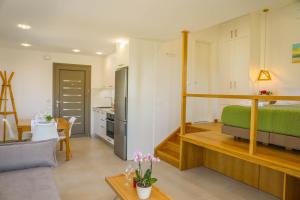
(24, 125)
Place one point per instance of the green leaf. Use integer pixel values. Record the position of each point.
(153, 180)
(138, 176)
(147, 174)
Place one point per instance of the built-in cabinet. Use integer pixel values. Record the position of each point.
(234, 59)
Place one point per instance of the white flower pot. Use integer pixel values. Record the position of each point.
(143, 193)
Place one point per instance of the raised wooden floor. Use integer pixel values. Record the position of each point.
(271, 169)
(278, 159)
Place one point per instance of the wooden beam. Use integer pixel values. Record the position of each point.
(1, 96)
(184, 80)
(253, 126)
(10, 77)
(5, 106)
(2, 76)
(13, 104)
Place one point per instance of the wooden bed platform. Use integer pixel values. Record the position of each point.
(269, 156)
(271, 169)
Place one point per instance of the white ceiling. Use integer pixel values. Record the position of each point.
(94, 25)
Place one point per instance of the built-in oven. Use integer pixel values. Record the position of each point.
(110, 121)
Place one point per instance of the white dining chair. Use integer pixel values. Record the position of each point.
(62, 134)
(13, 135)
(45, 131)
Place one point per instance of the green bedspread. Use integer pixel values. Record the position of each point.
(281, 119)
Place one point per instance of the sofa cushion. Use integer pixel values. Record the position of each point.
(17, 156)
(28, 184)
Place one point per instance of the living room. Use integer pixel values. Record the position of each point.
(111, 80)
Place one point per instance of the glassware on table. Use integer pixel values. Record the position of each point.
(128, 174)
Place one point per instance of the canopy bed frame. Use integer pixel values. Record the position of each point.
(273, 170)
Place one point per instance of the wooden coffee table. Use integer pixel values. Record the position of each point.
(117, 183)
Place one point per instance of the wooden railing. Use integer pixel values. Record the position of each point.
(249, 97)
(253, 98)
(254, 109)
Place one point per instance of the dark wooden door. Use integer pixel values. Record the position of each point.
(71, 96)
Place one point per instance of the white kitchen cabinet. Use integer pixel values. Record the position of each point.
(99, 122)
(96, 122)
(102, 122)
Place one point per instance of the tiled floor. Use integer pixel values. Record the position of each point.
(82, 178)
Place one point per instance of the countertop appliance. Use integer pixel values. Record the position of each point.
(110, 123)
(121, 103)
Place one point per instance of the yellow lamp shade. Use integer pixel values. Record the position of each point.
(264, 75)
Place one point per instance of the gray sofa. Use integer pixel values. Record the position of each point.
(26, 171)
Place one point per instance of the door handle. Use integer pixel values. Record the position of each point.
(126, 108)
(57, 103)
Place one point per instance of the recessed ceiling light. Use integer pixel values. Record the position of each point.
(76, 50)
(24, 26)
(25, 44)
(99, 53)
(122, 41)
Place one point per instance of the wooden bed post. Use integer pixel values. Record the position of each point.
(253, 126)
(184, 80)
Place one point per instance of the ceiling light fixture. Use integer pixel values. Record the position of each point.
(26, 44)
(122, 42)
(24, 26)
(264, 74)
(76, 50)
(99, 53)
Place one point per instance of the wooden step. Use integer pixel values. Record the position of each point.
(175, 139)
(173, 146)
(169, 156)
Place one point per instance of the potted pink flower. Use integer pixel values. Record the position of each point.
(144, 181)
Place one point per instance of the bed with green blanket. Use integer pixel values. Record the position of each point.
(280, 124)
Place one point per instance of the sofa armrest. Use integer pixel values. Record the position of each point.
(17, 156)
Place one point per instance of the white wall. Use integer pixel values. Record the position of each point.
(32, 84)
(141, 90)
(167, 90)
(283, 31)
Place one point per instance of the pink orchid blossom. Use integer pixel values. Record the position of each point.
(138, 157)
(155, 160)
(149, 157)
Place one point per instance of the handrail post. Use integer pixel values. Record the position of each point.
(184, 80)
(253, 126)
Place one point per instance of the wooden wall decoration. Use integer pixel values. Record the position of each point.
(6, 95)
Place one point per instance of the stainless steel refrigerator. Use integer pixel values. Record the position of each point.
(121, 101)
